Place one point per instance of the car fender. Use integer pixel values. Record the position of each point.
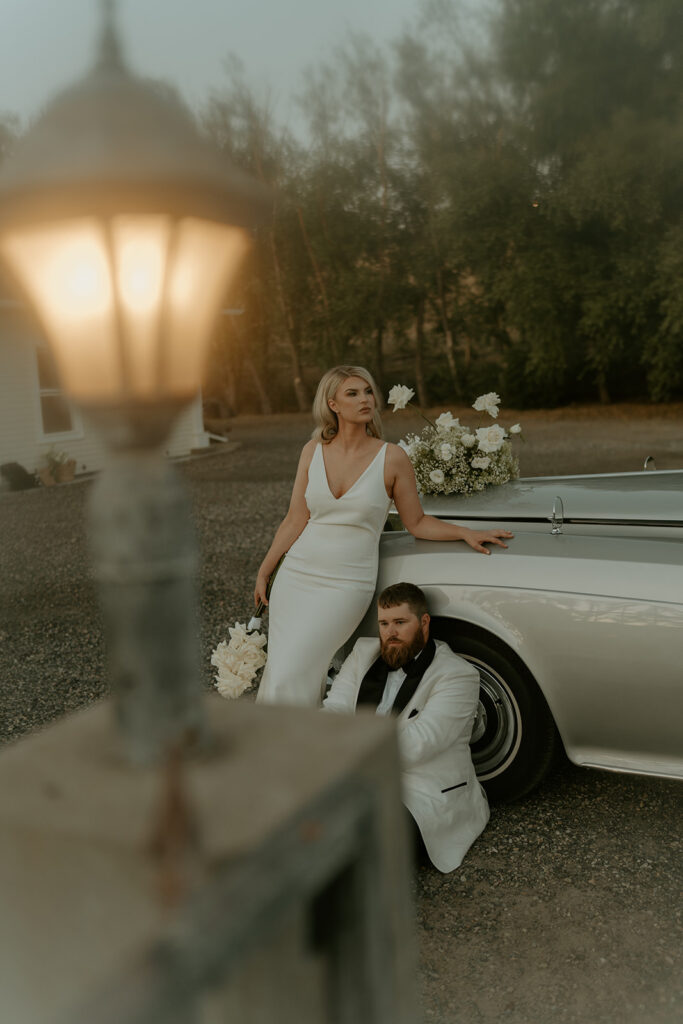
(590, 618)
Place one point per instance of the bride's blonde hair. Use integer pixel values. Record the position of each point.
(326, 422)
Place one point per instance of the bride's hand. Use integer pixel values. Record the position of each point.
(477, 538)
(260, 589)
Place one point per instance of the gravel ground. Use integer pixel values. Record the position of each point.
(567, 909)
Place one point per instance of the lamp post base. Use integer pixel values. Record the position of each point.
(298, 907)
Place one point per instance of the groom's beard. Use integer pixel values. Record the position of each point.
(399, 654)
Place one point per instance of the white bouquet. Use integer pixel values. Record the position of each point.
(451, 458)
(239, 660)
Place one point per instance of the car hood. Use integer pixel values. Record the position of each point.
(631, 569)
(648, 497)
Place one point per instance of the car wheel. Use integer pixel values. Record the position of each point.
(514, 736)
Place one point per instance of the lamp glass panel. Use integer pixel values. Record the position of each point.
(205, 261)
(63, 268)
(140, 250)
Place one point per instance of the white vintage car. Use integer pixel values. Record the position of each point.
(576, 628)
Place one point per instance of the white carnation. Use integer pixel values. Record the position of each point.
(399, 396)
(516, 429)
(436, 476)
(490, 439)
(488, 403)
(446, 421)
(481, 462)
(468, 440)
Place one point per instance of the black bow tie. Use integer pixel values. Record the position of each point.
(375, 679)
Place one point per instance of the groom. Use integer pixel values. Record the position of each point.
(434, 693)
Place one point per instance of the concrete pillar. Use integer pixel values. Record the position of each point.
(265, 881)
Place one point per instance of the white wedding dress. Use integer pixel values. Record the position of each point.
(325, 583)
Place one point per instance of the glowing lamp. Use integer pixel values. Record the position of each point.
(124, 229)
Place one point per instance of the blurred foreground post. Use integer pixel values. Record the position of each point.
(269, 869)
(294, 904)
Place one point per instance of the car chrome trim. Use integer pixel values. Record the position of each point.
(576, 520)
(537, 590)
(674, 774)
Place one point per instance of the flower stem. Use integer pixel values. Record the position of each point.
(425, 418)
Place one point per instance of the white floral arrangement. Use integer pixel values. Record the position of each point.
(239, 660)
(451, 458)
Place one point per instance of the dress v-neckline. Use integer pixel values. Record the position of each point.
(358, 478)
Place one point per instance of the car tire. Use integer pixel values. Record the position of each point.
(514, 735)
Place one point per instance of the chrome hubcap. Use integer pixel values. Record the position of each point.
(497, 730)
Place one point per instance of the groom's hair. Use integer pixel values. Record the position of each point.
(404, 593)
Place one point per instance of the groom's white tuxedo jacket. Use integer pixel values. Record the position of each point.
(440, 787)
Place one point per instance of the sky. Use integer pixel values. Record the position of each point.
(46, 44)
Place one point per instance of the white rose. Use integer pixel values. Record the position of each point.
(444, 451)
(481, 462)
(468, 440)
(490, 438)
(436, 476)
(488, 403)
(399, 396)
(516, 429)
(446, 421)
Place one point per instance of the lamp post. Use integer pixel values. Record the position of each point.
(124, 229)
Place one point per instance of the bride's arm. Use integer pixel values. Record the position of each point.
(407, 502)
(290, 527)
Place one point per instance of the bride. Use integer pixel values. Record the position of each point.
(345, 482)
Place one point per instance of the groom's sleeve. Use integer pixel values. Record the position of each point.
(344, 690)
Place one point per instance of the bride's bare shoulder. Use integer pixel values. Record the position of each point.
(396, 455)
(307, 452)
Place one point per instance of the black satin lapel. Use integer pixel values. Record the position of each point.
(414, 674)
(372, 688)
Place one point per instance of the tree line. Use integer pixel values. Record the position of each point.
(492, 202)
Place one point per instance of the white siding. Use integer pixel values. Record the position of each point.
(188, 432)
(21, 435)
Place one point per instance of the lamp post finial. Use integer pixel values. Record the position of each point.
(110, 54)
